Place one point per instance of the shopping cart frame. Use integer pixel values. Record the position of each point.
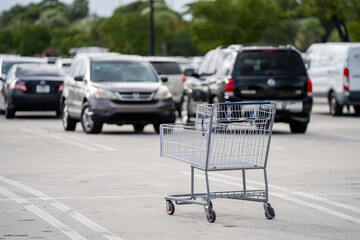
(244, 194)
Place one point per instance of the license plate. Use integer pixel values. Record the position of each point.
(292, 106)
(42, 88)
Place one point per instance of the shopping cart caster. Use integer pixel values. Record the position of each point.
(211, 216)
(269, 211)
(170, 207)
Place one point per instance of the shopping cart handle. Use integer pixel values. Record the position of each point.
(243, 103)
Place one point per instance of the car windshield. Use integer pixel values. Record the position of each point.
(39, 72)
(8, 64)
(255, 63)
(167, 68)
(122, 71)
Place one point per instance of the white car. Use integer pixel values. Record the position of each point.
(334, 70)
(170, 68)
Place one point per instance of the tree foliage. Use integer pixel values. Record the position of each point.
(52, 24)
(223, 22)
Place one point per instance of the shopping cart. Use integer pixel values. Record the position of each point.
(225, 136)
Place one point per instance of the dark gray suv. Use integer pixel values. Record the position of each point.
(114, 89)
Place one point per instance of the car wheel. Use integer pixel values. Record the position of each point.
(139, 127)
(298, 127)
(335, 107)
(89, 124)
(9, 113)
(69, 124)
(215, 100)
(185, 106)
(357, 110)
(157, 127)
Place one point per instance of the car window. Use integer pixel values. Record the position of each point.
(204, 64)
(33, 72)
(269, 63)
(8, 64)
(226, 64)
(79, 69)
(122, 71)
(166, 68)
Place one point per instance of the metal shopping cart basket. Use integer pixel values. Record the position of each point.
(225, 136)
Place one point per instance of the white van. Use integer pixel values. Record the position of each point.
(334, 70)
(169, 67)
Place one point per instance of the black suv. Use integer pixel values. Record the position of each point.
(253, 73)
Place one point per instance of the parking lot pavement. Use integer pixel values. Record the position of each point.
(69, 185)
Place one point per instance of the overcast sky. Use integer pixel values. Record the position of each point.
(102, 8)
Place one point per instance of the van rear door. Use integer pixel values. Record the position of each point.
(354, 68)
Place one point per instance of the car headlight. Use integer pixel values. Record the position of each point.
(162, 93)
(102, 93)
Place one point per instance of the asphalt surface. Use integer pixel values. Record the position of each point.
(70, 185)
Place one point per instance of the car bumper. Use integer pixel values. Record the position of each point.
(113, 112)
(34, 102)
(288, 110)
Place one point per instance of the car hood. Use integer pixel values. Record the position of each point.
(129, 87)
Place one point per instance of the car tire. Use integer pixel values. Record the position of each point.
(298, 127)
(69, 124)
(139, 127)
(357, 110)
(335, 107)
(157, 127)
(185, 106)
(89, 124)
(9, 113)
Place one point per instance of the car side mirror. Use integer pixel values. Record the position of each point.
(79, 78)
(2, 79)
(164, 79)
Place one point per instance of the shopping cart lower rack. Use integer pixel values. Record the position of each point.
(225, 136)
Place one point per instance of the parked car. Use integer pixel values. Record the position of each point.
(334, 69)
(169, 67)
(64, 63)
(115, 89)
(7, 61)
(253, 73)
(31, 87)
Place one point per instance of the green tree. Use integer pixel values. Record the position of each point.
(52, 18)
(223, 22)
(6, 40)
(77, 10)
(342, 13)
(31, 39)
(310, 31)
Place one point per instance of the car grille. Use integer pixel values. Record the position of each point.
(136, 97)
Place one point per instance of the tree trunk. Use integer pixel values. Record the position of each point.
(341, 28)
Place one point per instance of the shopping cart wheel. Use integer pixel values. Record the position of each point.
(269, 212)
(211, 216)
(170, 207)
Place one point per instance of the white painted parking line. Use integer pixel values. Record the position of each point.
(308, 195)
(282, 196)
(45, 216)
(88, 145)
(348, 136)
(92, 197)
(76, 215)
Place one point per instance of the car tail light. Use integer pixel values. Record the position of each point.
(346, 82)
(229, 87)
(309, 86)
(184, 78)
(18, 86)
(61, 87)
